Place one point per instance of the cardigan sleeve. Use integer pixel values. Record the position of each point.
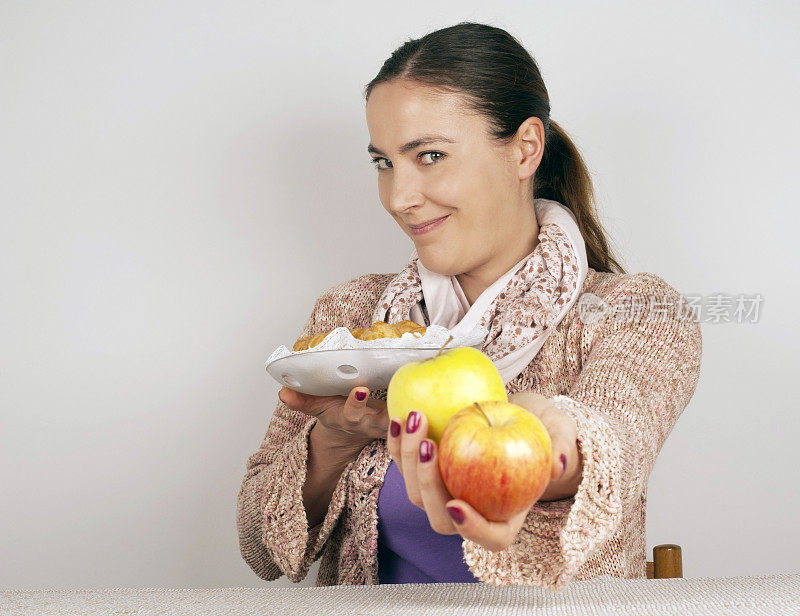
(640, 372)
(274, 537)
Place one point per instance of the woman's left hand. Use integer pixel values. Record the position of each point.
(448, 516)
(566, 472)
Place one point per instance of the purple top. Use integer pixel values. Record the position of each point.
(409, 550)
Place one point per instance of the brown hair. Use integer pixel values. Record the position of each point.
(500, 80)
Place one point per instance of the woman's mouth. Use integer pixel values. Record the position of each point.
(429, 227)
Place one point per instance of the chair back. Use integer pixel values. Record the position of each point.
(667, 562)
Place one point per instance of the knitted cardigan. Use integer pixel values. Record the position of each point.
(625, 382)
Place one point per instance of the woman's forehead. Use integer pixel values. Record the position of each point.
(400, 115)
(412, 99)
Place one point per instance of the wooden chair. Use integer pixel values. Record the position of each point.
(667, 562)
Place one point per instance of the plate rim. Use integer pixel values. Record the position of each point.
(367, 349)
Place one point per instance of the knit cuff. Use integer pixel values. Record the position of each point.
(557, 537)
(292, 544)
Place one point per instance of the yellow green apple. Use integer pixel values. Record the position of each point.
(496, 456)
(441, 385)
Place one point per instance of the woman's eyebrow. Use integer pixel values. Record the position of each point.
(411, 145)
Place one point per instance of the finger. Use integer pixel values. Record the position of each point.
(412, 435)
(494, 536)
(354, 409)
(434, 493)
(394, 437)
(563, 436)
(365, 416)
(305, 403)
(288, 396)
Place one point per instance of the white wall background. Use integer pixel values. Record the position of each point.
(181, 180)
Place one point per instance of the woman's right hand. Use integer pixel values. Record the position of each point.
(347, 422)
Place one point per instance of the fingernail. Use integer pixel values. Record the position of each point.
(564, 464)
(413, 422)
(360, 395)
(394, 428)
(425, 451)
(456, 514)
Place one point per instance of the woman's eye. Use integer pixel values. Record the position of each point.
(439, 154)
(376, 162)
(387, 164)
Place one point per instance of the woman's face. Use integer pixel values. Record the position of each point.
(477, 184)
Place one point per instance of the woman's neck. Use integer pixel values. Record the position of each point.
(475, 282)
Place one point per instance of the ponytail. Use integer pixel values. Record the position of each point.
(563, 176)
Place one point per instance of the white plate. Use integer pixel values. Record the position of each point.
(334, 372)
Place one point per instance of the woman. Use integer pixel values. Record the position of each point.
(461, 135)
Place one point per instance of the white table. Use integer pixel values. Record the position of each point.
(768, 595)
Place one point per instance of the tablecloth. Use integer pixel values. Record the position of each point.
(769, 595)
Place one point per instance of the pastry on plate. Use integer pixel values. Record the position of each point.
(379, 329)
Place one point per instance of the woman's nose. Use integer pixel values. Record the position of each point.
(403, 195)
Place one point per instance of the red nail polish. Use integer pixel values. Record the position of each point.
(564, 464)
(394, 428)
(456, 514)
(360, 395)
(425, 451)
(413, 422)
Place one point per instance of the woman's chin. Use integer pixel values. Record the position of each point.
(443, 264)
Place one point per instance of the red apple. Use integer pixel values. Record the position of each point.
(496, 456)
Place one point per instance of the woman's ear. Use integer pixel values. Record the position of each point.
(530, 141)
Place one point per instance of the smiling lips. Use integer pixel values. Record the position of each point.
(430, 226)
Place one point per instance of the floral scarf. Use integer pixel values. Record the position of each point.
(519, 310)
